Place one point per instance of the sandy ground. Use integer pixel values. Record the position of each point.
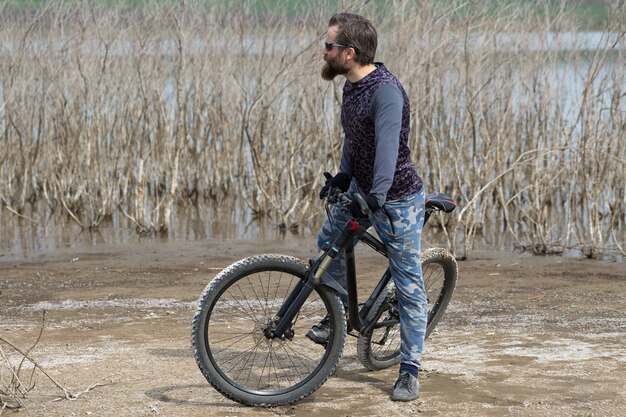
(523, 336)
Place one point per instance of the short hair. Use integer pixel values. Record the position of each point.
(359, 33)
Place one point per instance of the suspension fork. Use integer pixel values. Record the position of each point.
(296, 298)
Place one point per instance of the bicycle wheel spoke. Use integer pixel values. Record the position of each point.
(297, 355)
(273, 358)
(294, 367)
(249, 372)
(238, 339)
(256, 298)
(431, 282)
(262, 371)
(241, 308)
(246, 358)
(266, 296)
(240, 356)
(392, 344)
(247, 301)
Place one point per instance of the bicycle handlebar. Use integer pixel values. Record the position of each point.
(337, 197)
(343, 199)
(434, 202)
(365, 209)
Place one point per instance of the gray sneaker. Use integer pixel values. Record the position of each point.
(406, 388)
(320, 333)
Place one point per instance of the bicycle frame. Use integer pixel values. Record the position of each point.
(351, 232)
(345, 242)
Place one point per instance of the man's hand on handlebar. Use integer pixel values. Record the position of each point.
(341, 181)
(335, 193)
(357, 211)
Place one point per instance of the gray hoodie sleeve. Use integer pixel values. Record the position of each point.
(386, 111)
(344, 166)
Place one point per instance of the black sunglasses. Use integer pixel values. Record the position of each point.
(329, 46)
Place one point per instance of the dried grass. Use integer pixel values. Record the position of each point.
(109, 110)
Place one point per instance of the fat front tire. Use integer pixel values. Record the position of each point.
(380, 348)
(234, 354)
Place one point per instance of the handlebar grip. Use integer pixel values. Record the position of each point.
(365, 209)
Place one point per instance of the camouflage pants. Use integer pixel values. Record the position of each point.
(399, 226)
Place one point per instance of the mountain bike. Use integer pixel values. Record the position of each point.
(249, 330)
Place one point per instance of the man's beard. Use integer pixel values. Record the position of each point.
(332, 68)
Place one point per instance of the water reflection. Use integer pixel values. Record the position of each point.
(21, 237)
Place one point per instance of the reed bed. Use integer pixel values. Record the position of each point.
(112, 112)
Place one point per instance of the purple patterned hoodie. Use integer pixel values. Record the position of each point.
(376, 120)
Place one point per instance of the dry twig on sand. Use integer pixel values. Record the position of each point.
(14, 388)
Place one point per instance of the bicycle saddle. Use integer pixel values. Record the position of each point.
(440, 201)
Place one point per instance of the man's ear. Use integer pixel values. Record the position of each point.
(350, 53)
